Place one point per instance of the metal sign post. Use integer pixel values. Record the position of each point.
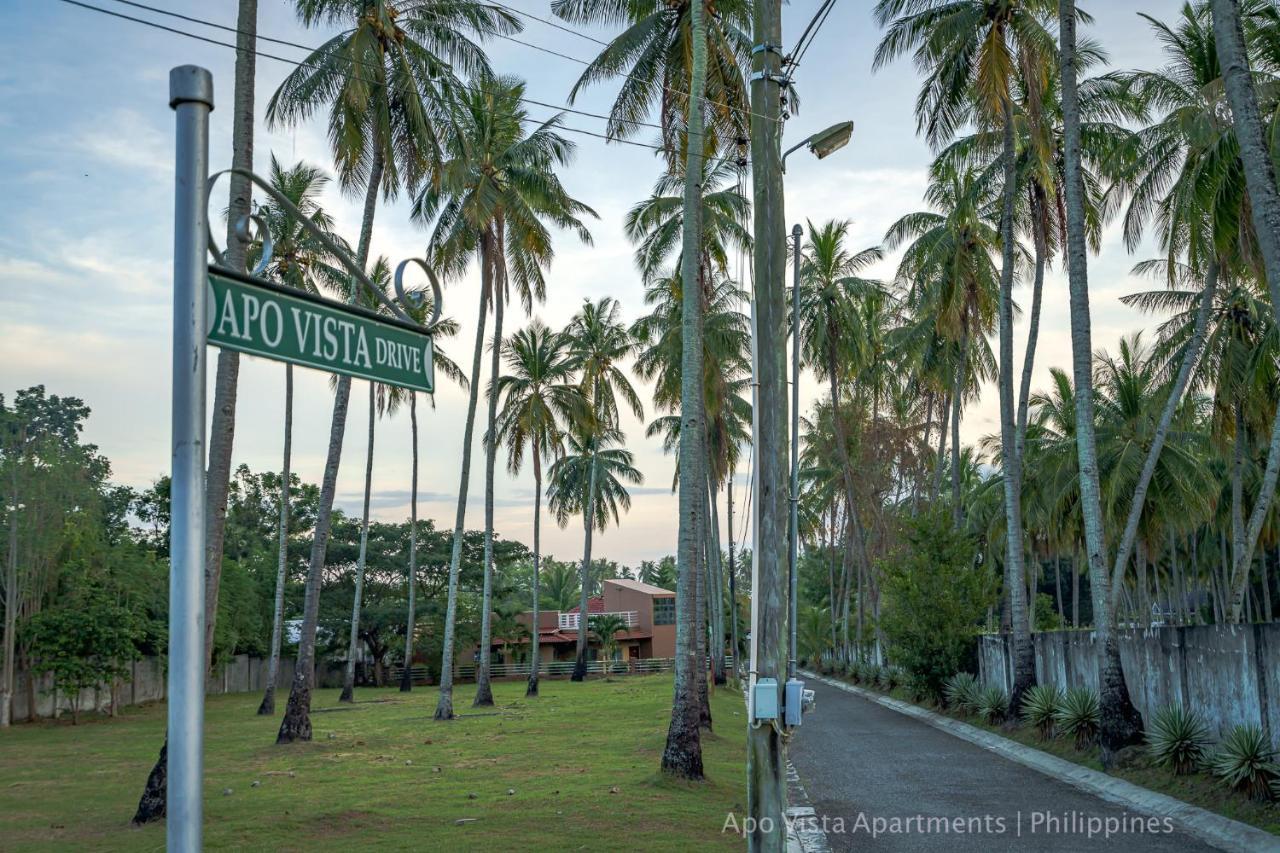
(191, 97)
(230, 309)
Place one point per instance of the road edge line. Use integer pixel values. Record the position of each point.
(1213, 829)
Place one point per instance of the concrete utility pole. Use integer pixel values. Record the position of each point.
(766, 784)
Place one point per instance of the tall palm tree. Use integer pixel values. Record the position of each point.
(1260, 178)
(540, 399)
(654, 57)
(975, 54)
(495, 195)
(598, 342)
(591, 480)
(952, 285)
(299, 261)
(382, 78)
(1121, 723)
(831, 288)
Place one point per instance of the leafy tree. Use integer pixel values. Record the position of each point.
(936, 601)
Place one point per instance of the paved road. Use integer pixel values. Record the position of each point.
(877, 777)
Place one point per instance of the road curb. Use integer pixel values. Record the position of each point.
(1213, 829)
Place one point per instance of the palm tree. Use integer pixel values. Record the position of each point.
(974, 54)
(539, 401)
(654, 57)
(1260, 178)
(598, 342)
(299, 261)
(831, 288)
(952, 285)
(1121, 724)
(591, 479)
(606, 627)
(382, 79)
(496, 192)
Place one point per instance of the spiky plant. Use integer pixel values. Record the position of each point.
(888, 678)
(1178, 739)
(1079, 716)
(1246, 761)
(1040, 706)
(961, 692)
(993, 704)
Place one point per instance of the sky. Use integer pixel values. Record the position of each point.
(86, 171)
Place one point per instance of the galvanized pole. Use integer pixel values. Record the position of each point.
(793, 565)
(191, 97)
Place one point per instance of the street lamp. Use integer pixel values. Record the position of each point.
(821, 144)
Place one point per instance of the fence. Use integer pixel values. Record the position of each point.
(554, 669)
(146, 683)
(1229, 673)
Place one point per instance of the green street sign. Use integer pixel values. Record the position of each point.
(260, 318)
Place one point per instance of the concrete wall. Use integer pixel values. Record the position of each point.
(147, 684)
(1229, 673)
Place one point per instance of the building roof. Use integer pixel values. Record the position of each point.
(639, 586)
(595, 604)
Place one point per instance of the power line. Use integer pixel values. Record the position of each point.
(550, 23)
(304, 63)
(308, 48)
(810, 32)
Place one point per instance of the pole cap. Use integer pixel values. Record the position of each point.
(190, 83)
(796, 230)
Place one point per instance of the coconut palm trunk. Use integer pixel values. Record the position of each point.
(444, 704)
(1121, 725)
(682, 756)
(1015, 570)
(715, 590)
(704, 621)
(296, 724)
(406, 677)
(733, 587)
(153, 802)
(584, 572)
(10, 604)
(353, 642)
(957, 395)
(1040, 239)
(1190, 357)
(534, 653)
(936, 491)
(1264, 199)
(268, 705)
(484, 693)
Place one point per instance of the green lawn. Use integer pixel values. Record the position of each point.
(582, 761)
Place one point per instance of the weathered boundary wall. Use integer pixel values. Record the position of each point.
(1228, 673)
(147, 683)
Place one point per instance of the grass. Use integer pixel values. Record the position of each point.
(1199, 789)
(582, 760)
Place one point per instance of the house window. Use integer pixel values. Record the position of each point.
(664, 611)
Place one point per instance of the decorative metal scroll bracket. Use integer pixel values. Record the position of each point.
(411, 299)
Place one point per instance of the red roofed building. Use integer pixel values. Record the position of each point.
(648, 611)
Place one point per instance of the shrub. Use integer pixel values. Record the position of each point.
(993, 704)
(865, 672)
(888, 678)
(1178, 739)
(1040, 706)
(1246, 761)
(1079, 716)
(935, 600)
(961, 692)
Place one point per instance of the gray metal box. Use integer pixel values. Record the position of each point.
(766, 699)
(794, 703)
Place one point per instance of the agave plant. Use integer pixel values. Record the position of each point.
(1178, 739)
(888, 678)
(993, 704)
(1040, 705)
(961, 692)
(1247, 762)
(1079, 716)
